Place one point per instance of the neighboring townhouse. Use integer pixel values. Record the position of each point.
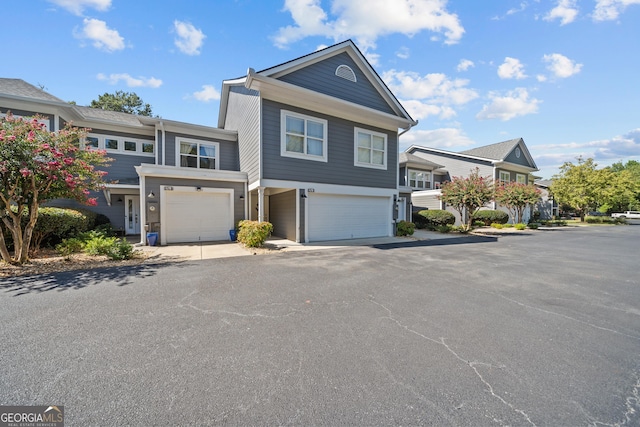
(416, 175)
(506, 161)
(547, 207)
(310, 145)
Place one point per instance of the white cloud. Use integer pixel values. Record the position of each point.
(403, 53)
(207, 94)
(77, 7)
(130, 81)
(541, 78)
(464, 65)
(604, 151)
(366, 21)
(103, 37)
(445, 138)
(561, 66)
(190, 39)
(565, 10)
(512, 68)
(514, 104)
(609, 10)
(428, 95)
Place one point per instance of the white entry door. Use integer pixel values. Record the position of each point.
(132, 214)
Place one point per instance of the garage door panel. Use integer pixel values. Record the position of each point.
(197, 216)
(336, 217)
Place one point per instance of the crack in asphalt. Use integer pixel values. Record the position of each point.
(472, 364)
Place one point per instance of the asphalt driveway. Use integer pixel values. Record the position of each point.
(537, 329)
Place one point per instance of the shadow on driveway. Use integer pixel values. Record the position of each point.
(79, 279)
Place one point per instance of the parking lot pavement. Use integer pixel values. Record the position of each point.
(524, 330)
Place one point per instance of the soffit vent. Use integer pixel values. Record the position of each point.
(346, 72)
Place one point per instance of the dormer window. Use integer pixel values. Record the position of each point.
(345, 72)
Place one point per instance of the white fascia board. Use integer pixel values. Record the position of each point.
(514, 167)
(451, 153)
(122, 186)
(286, 93)
(224, 98)
(148, 170)
(327, 188)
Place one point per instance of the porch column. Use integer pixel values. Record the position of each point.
(260, 204)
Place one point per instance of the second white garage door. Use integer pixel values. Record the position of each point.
(336, 217)
(197, 216)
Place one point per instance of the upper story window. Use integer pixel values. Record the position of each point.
(505, 176)
(419, 180)
(199, 154)
(303, 136)
(521, 179)
(45, 122)
(370, 149)
(120, 144)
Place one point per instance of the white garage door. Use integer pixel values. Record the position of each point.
(335, 217)
(197, 216)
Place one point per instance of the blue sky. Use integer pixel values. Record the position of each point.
(562, 74)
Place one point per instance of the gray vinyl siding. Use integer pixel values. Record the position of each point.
(339, 169)
(27, 114)
(122, 168)
(228, 150)
(402, 176)
(282, 214)
(154, 183)
(456, 165)
(321, 77)
(243, 116)
(512, 175)
(511, 158)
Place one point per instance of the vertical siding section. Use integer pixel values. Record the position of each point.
(321, 77)
(243, 116)
(282, 214)
(340, 168)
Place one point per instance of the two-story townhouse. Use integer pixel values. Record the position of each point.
(416, 174)
(318, 137)
(157, 166)
(507, 161)
(310, 145)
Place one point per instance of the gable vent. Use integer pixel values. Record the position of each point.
(346, 72)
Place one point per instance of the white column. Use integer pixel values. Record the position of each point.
(260, 204)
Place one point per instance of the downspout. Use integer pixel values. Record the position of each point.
(164, 135)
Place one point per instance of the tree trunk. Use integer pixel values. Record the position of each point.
(6, 256)
(28, 233)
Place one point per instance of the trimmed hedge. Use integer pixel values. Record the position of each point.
(491, 216)
(436, 217)
(253, 233)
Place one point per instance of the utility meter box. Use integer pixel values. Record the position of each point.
(153, 212)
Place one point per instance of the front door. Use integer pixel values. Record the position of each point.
(132, 214)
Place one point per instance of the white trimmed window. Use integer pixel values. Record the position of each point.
(303, 137)
(120, 144)
(419, 180)
(370, 149)
(505, 176)
(521, 179)
(198, 154)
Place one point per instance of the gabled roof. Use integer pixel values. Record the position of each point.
(498, 151)
(20, 88)
(267, 81)
(494, 153)
(413, 160)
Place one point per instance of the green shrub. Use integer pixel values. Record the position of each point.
(533, 225)
(507, 225)
(436, 217)
(405, 228)
(604, 220)
(69, 247)
(497, 225)
(520, 226)
(419, 221)
(479, 224)
(253, 233)
(459, 229)
(491, 216)
(445, 228)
